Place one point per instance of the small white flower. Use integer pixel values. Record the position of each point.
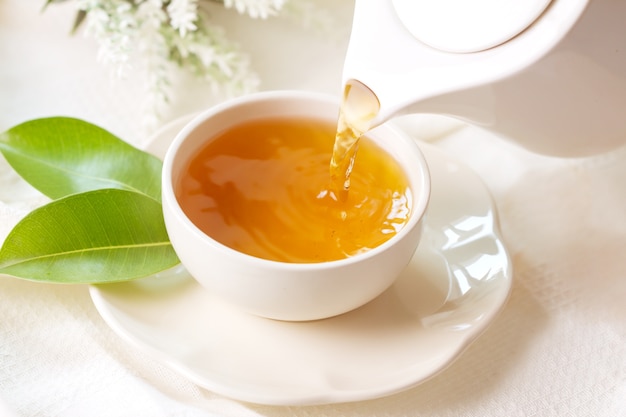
(151, 14)
(183, 15)
(256, 8)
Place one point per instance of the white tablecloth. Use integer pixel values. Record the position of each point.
(557, 349)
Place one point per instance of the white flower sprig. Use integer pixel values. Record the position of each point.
(158, 36)
(183, 15)
(256, 8)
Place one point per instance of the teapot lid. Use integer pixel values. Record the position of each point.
(467, 25)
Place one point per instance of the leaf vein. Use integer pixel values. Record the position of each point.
(84, 251)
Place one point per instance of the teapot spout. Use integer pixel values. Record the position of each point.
(384, 57)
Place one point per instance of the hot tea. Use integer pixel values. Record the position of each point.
(263, 188)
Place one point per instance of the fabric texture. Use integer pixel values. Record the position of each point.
(558, 348)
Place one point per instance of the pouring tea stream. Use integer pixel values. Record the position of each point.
(549, 75)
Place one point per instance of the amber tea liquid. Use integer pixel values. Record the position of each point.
(263, 188)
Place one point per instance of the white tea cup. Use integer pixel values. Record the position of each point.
(283, 290)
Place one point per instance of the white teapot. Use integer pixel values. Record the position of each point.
(549, 75)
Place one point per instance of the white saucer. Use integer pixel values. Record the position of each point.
(457, 282)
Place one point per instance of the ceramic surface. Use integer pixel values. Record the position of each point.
(462, 26)
(455, 285)
(557, 88)
(285, 290)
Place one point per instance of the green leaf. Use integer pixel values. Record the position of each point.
(61, 156)
(94, 237)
